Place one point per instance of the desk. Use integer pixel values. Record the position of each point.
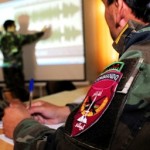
(4, 145)
(58, 99)
(65, 97)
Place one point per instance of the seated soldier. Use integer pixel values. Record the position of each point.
(115, 114)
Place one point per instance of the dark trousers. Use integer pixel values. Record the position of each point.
(14, 80)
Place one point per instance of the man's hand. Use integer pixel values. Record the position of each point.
(13, 115)
(47, 113)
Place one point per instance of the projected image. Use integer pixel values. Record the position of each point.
(62, 47)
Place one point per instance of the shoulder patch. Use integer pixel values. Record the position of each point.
(97, 99)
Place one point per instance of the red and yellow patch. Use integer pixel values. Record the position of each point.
(96, 101)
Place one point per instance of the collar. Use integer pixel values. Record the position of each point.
(130, 27)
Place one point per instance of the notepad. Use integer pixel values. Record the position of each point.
(55, 126)
(6, 139)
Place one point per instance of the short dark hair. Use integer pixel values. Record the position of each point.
(8, 23)
(140, 8)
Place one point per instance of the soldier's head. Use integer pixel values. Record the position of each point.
(119, 12)
(9, 26)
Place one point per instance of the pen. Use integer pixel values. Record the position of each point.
(31, 87)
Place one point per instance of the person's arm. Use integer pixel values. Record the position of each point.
(43, 112)
(30, 38)
(27, 39)
(31, 135)
(27, 133)
(47, 113)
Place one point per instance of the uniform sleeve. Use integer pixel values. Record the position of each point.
(29, 38)
(31, 135)
(72, 106)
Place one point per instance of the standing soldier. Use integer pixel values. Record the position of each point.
(11, 45)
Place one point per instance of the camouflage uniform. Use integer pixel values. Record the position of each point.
(132, 129)
(11, 46)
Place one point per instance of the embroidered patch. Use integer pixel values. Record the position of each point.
(96, 101)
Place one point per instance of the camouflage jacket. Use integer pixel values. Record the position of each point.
(11, 46)
(132, 130)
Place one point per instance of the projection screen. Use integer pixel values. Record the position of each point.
(60, 53)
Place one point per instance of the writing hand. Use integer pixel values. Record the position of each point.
(13, 115)
(47, 113)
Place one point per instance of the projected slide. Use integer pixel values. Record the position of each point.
(62, 48)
